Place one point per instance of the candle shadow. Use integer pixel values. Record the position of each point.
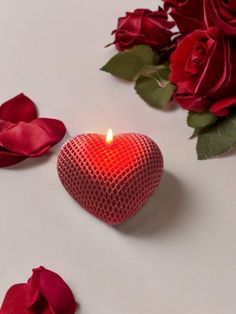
(165, 209)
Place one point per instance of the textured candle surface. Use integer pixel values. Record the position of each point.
(111, 181)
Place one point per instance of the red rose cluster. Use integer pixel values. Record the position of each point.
(186, 51)
(203, 66)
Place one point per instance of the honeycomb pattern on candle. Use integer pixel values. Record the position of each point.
(111, 181)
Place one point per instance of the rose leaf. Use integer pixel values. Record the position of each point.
(200, 119)
(217, 138)
(155, 91)
(164, 71)
(130, 63)
(195, 133)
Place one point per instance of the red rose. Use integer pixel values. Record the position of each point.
(204, 69)
(22, 134)
(45, 292)
(144, 27)
(188, 14)
(222, 14)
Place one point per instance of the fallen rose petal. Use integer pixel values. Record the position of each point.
(22, 135)
(30, 138)
(44, 293)
(41, 152)
(24, 138)
(8, 159)
(17, 300)
(54, 128)
(19, 108)
(4, 125)
(41, 307)
(55, 291)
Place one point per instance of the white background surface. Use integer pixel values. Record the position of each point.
(182, 264)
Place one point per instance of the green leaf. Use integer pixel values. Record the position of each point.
(148, 70)
(129, 64)
(155, 91)
(145, 53)
(217, 139)
(200, 120)
(164, 71)
(195, 133)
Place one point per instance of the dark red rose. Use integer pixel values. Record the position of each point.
(221, 13)
(188, 14)
(144, 27)
(44, 293)
(22, 134)
(204, 69)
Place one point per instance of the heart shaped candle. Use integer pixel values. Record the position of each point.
(110, 177)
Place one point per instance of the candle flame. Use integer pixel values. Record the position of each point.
(109, 137)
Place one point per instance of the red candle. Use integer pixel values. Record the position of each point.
(111, 177)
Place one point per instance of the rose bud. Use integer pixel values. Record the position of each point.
(144, 27)
(45, 292)
(188, 14)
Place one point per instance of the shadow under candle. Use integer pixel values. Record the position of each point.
(164, 210)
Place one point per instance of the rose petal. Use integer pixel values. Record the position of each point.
(191, 103)
(181, 55)
(19, 108)
(32, 139)
(55, 291)
(144, 27)
(8, 159)
(211, 80)
(17, 300)
(45, 293)
(133, 21)
(187, 24)
(24, 138)
(4, 125)
(55, 128)
(41, 307)
(220, 107)
(188, 14)
(222, 14)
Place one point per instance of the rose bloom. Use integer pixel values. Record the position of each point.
(144, 27)
(188, 14)
(44, 293)
(204, 69)
(222, 14)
